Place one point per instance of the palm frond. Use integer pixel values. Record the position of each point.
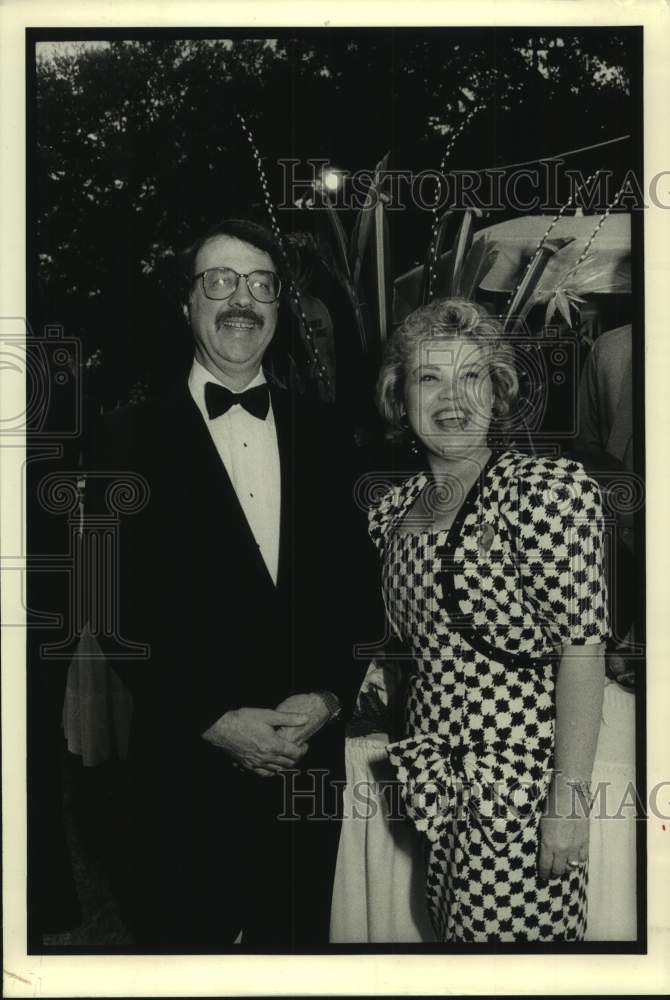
(524, 296)
(363, 225)
(332, 267)
(596, 274)
(561, 301)
(458, 254)
(338, 232)
(383, 282)
(480, 260)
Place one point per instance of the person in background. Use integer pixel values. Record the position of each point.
(605, 446)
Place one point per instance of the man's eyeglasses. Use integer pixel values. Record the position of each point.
(222, 282)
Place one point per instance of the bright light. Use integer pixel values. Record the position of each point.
(331, 180)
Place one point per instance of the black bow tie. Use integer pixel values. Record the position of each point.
(219, 400)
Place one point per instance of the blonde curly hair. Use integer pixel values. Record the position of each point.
(448, 318)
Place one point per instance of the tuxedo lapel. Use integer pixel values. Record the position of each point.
(192, 446)
(202, 487)
(282, 409)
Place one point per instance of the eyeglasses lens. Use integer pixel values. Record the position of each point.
(221, 282)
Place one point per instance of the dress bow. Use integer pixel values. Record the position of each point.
(500, 786)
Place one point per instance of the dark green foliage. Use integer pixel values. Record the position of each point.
(137, 148)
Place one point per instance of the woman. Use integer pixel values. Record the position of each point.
(492, 574)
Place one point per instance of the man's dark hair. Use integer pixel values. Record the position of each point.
(241, 229)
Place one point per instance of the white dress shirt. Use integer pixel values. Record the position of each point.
(248, 449)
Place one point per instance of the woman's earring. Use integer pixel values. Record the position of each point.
(499, 431)
(411, 439)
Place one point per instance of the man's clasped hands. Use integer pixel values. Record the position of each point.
(265, 740)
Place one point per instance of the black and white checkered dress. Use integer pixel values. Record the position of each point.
(484, 607)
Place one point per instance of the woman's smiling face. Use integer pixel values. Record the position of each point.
(449, 395)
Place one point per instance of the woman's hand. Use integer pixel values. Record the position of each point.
(564, 828)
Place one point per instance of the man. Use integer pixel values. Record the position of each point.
(240, 574)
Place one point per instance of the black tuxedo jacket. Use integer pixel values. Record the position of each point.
(194, 587)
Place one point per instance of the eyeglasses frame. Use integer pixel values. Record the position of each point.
(239, 274)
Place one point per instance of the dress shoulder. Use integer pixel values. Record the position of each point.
(554, 512)
(557, 485)
(540, 467)
(384, 510)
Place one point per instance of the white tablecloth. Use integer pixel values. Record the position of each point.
(612, 857)
(378, 894)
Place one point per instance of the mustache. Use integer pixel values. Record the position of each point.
(237, 312)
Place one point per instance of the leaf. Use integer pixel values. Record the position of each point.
(332, 268)
(383, 281)
(338, 232)
(358, 316)
(598, 273)
(551, 309)
(562, 300)
(458, 253)
(563, 306)
(523, 299)
(479, 262)
(363, 224)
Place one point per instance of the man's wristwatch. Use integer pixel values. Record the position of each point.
(332, 703)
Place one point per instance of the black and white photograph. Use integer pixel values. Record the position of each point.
(334, 572)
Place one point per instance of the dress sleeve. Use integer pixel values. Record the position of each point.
(555, 512)
(380, 516)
